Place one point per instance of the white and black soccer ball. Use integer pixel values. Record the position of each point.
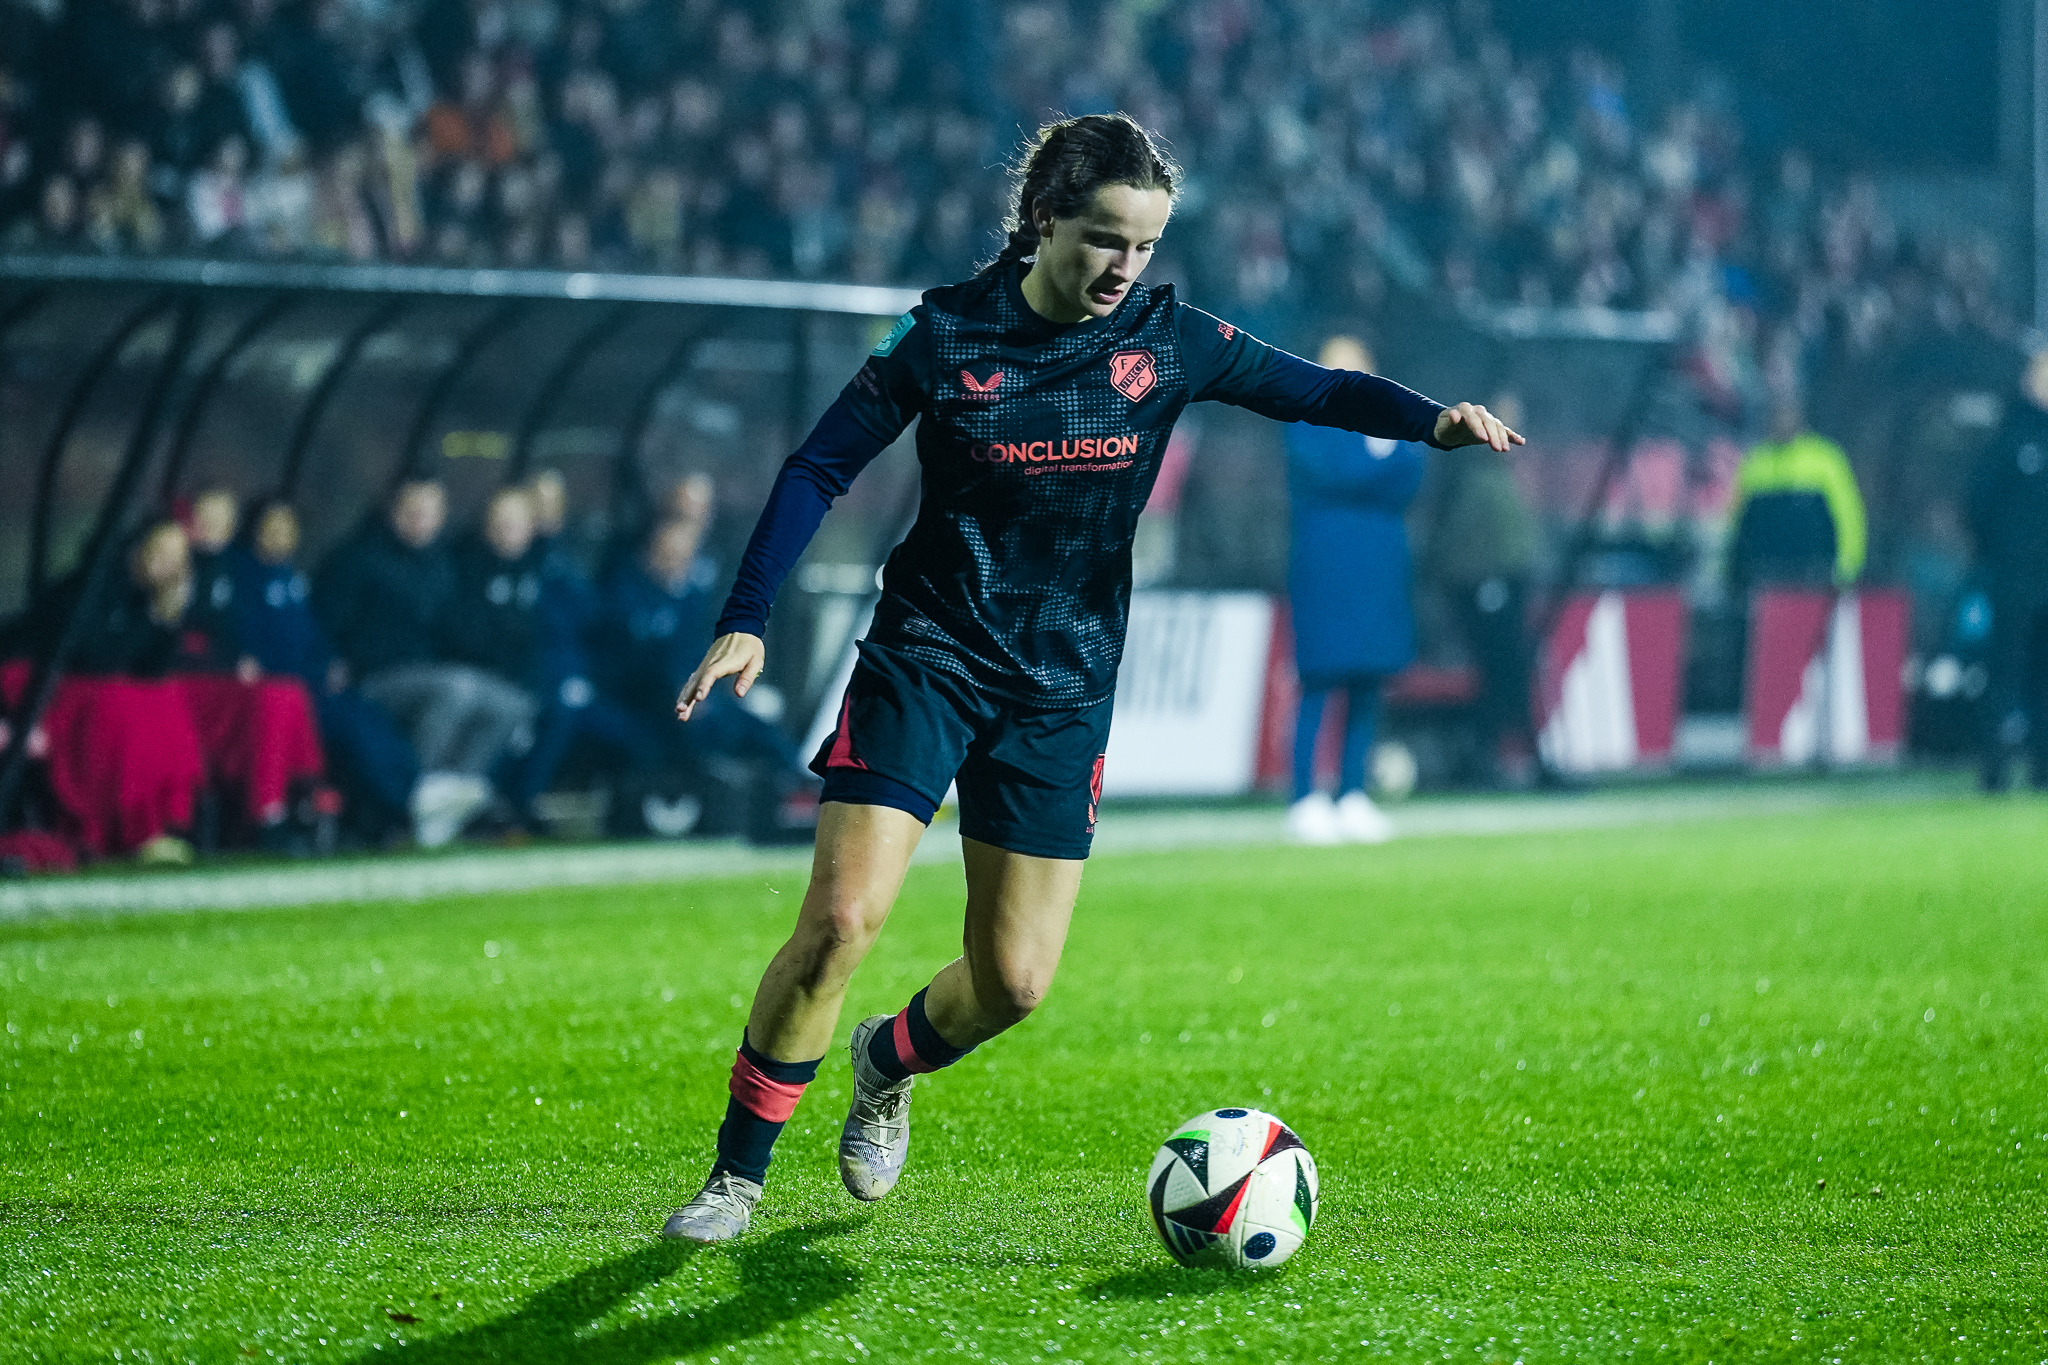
(1232, 1187)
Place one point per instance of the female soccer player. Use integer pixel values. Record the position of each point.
(1047, 385)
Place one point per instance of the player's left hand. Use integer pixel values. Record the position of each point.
(1469, 424)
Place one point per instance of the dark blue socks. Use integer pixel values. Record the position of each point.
(909, 1044)
(764, 1095)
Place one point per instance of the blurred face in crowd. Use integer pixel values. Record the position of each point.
(182, 89)
(1086, 264)
(219, 51)
(418, 513)
(60, 206)
(671, 549)
(690, 499)
(1345, 353)
(508, 523)
(214, 518)
(84, 148)
(277, 535)
(550, 502)
(131, 165)
(162, 559)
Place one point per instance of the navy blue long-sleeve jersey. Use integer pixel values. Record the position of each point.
(1039, 445)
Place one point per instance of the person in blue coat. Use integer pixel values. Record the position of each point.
(1348, 578)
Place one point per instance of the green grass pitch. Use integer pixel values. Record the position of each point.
(1740, 1090)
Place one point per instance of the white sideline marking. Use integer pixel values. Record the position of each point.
(411, 877)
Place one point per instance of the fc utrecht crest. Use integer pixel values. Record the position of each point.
(1133, 373)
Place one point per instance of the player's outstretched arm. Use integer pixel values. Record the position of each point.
(736, 653)
(1469, 424)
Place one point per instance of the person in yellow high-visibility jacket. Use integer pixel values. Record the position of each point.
(1797, 512)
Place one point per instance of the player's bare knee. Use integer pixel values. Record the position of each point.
(839, 930)
(1013, 998)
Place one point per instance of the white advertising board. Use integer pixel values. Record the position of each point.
(1189, 694)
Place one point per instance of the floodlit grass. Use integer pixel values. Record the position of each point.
(1747, 1090)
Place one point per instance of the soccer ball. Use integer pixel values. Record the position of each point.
(1232, 1187)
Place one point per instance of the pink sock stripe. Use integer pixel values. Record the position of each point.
(899, 1033)
(761, 1096)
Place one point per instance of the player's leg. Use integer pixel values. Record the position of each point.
(861, 855)
(857, 869)
(897, 718)
(1018, 909)
(1029, 788)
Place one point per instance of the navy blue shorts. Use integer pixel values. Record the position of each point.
(1030, 778)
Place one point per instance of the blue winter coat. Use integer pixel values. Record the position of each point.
(273, 620)
(1348, 573)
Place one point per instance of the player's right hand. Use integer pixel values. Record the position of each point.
(737, 653)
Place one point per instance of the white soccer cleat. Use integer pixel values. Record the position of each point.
(442, 803)
(1313, 820)
(1359, 821)
(719, 1213)
(876, 1138)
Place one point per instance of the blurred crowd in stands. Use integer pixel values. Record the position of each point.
(449, 677)
(1337, 150)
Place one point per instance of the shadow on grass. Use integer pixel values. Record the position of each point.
(781, 1277)
(1157, 1282)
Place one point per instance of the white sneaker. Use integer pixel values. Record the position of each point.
(1359, 821)
(442, 803)
(876, 1138)
(719, 1213)
(1313, 820)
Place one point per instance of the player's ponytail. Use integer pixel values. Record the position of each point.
(1059, 170)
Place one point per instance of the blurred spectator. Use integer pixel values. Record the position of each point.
(1936, 568)
(1483, 541)
(472, 125)
(144, 627)
(573, 710)
(137, 627)
(1797, 512)
(2009, 518)
(568, 601)
(498, 619)
(216, 196)
(492, 617)
(210, 528)
(1344, 150)
(371, 759)
(657, 612)
(383, 596)
(1348, 584)
(122, 213)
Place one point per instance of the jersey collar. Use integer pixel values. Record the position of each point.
(1033, 320)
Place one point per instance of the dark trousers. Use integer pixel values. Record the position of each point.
(1361, 725)
(722, 728)
(2015, 713)
(632, 744)
(369, 756)
(1494, 618)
